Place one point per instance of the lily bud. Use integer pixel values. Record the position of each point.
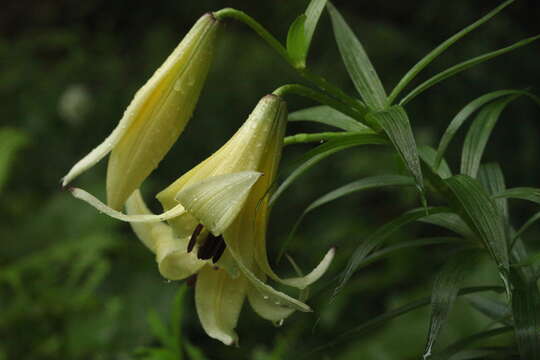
(156, 116)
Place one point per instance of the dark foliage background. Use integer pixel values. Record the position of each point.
(77, 285)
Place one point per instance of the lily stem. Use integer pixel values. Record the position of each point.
(324, 99)
(255, 26)
(310, 138)
(275, 44)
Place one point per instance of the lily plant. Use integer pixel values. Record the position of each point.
(215, 216)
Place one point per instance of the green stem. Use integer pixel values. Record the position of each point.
(326, 86)
(257, 27)
(316, 137)
(317, 80)
(310, 93)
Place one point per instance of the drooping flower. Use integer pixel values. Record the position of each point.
(221, 236)
(156, 116)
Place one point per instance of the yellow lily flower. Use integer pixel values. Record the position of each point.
(156, 116)
(221, 236)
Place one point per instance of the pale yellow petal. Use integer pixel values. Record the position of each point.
(219, 299)
(92, 158)
(303, 281)
(92, 200)
(265, 308)
(255, 139)
(146, 232)
(216, 201)
(241, 252)
(160, 111)
(173, 260)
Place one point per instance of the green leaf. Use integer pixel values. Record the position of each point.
(433, 54)
(456, 69)
(160, 331)
(376, 239)
(313, 13)
(485, 353)
(459, 345)
(523, 193)
(194, 353)
(356, 61)
(464, 114)
(428, 155)
(328, 116)
(445, 289)
(297, 44)
(11, 141)
(176, 319)
(353, 187)
(373, 182)
(492, 308)
(527, 224)
(526, 309)
(384, 252)
(492, 179)
(322, 152)
(481, 214)
(301, 33)
(478, 135)
(395, 123)
(392, 314)
(452, 222)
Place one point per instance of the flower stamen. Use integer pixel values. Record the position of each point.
(210, 247)
(219, 251)
(193, 238)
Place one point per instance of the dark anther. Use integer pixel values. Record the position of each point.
(207, 250)
(193, 238)
(219, 250)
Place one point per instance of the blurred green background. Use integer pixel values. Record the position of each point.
(77, 285)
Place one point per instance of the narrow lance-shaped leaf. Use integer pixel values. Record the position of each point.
(368, 183)
(492, 179)
(464, 114)
(356, 61)
(433, 54)
(376, 239)
(494, 309)
(478, 135)
(313, 13)
(533, 219)
(458, 346)
(301, 33)
(392, 314)
(526, 309)
(429, 155)
(297, 44)
(322, 152)
(396, 125)
(445, 289)
(462, 67)
(328, 116)
(389, 250)
(523, 193)
(480, 212)
(452, 222)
